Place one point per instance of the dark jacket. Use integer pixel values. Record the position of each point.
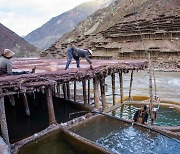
(77, 53)
(143, 115)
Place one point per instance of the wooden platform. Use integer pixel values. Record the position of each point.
(51, 71)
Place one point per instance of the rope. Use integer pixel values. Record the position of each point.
(135, 16)
(149, 61)
(155, 90)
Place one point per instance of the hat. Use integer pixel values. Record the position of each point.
(8, 53)
(90, 51)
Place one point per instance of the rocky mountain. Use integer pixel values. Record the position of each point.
(119, 29)
(9, 39)
(48, 33)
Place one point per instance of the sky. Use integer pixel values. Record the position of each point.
(24, 16)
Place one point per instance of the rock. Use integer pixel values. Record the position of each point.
(4, 149)
(178, 65)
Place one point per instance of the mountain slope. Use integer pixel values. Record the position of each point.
(103, 21)
(9, 39)
(48, 33)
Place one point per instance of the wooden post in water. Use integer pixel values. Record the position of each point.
(130, 87)
(121, 91)
(121, 85)
(52, 118)
(155, 89)
(4, 128)
(68, 90)
(25, 101)
(12, 101)
(58, 89)
(64, 90)
(84, 91)
(113, 88)
(89, 91)
(96, 93)
(150, 89)
(75, 91)
(54, 90)
(103, 95)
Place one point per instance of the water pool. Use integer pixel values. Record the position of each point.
(166, 116)
(120, 137)
(60, 142)
(51, 144)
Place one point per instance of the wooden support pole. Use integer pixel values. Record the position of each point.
(121, 85)
(68, 90)
(52, 118)
(4, 128)
(121, 111)
(130, 87)
(89, 91)
(113, 88)
(75, 91)
(25, 101)
(103, 95)
(84, 91)
(12, 101)
(43, 89)
(58, 90)
(55, 90)
(96, 93)
(64, 90)
(150, 90)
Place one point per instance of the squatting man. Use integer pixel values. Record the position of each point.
(6, 64)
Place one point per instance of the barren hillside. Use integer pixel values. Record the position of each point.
(54, 29)
(9, 39)
(93, 32)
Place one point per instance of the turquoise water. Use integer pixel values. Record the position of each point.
(166, 116)
(120, 137)
(168, 87)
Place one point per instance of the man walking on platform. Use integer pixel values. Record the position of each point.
(77, 54)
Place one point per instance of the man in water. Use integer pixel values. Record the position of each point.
(141, 115)
(77, 54)
(6, 64)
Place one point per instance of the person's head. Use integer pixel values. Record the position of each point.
(8, 53)
(89, 51)
(143, 107)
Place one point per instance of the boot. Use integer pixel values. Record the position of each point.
(33, 69)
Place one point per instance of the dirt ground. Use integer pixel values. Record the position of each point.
(167, 65)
